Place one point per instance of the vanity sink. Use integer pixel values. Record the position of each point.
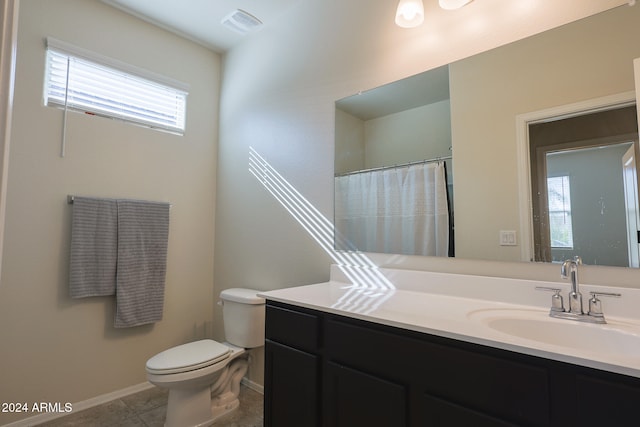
(619, 338)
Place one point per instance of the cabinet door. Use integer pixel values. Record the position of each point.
(602, 402)
(292, 397)
(353, 398)
(436, 412)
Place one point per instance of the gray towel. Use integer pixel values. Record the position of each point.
(143, 231)
(94, 247)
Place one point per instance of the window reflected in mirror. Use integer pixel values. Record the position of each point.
(560, 225)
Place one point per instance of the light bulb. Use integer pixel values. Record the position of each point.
(410, 13)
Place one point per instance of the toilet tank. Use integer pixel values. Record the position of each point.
(243, 313)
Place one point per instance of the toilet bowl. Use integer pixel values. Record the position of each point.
(203, 377)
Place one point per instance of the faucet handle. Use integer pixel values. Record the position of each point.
(595, 305)
(556, 299)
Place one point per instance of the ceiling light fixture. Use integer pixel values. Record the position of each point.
(453, 4)
(410, 13)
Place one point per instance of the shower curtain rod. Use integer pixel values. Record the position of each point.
(402, 165)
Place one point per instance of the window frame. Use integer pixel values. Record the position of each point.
(169, 96)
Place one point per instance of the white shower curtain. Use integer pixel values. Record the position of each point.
(402, 210)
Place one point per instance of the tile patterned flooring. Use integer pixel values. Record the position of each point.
(147, 409)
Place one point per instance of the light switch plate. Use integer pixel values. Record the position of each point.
(508, 238)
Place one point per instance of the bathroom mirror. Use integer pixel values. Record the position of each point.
(586, 59)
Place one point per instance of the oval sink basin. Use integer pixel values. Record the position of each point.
(616, 338)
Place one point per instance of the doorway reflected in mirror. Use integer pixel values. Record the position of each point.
(584, 187)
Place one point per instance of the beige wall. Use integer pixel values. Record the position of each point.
(278, 98)
(416, 134)
(351, 142)
(55, 349)
(584, 61)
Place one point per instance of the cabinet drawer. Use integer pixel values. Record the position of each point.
(293, 328)
(494, 385)
(377, 352)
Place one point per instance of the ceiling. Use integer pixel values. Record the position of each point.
(199, 20)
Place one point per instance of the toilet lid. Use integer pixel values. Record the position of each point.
(188, 357)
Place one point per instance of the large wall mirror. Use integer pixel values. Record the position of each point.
(464, 116)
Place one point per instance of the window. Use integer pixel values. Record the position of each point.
(83, 81)
(560, 226)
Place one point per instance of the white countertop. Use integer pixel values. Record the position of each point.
(454, 306)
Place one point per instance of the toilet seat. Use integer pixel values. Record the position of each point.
(188, 357)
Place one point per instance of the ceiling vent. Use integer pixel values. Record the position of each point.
(241, 22)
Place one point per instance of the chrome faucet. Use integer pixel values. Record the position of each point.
(568, 270)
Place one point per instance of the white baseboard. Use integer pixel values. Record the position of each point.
(252, 385)
(81, 406)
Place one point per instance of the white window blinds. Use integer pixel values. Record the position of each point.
(87, 82)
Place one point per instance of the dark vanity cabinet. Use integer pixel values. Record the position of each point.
(329, 370)
(292, 367)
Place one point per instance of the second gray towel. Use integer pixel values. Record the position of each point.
(143, 231)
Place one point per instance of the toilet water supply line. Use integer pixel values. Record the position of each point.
(232, 375)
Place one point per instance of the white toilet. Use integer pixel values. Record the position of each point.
(203, 377)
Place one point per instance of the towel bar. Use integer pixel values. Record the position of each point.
(70, 199)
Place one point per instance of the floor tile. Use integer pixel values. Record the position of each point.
(112, 413)
(154, 417)
(249, 414)
(148, 409)
(146, 400)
